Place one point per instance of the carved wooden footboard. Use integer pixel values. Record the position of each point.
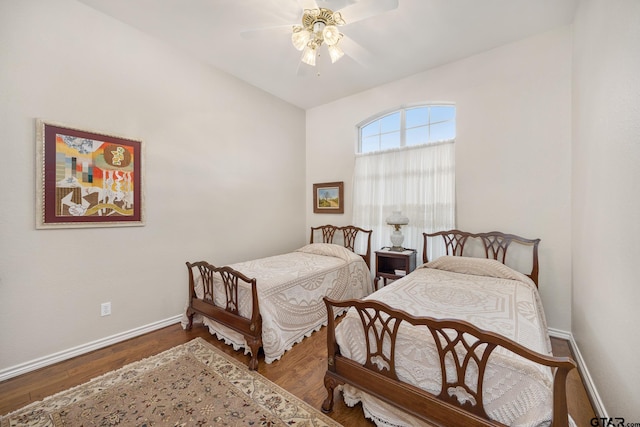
(228, 315)
(458, 341)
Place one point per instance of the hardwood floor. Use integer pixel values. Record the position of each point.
(300, 371)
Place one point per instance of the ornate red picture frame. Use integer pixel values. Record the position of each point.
(87, 179)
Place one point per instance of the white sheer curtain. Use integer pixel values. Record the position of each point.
(419, 181)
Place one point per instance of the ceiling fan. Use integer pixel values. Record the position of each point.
(320, 26)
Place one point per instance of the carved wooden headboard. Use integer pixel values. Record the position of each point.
(495, 245)
(348, 234)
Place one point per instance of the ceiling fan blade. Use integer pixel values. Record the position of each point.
(358, 53)
(366, 9)
(308, 4)
(260, 31)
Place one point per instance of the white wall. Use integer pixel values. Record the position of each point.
(606, 206)
(218, 153)
(513, 159)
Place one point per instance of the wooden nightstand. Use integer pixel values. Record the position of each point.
(393, 265)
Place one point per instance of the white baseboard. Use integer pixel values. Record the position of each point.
(558, 333)
(589, 385)
(41, 362)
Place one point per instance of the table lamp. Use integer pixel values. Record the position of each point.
(397, 220)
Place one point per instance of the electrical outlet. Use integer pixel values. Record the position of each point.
(105, 309)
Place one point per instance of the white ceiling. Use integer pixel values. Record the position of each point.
(418, 35)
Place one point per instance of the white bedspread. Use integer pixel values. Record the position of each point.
(485, 293)
(291, 288)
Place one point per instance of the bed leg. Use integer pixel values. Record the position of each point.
(330, 384)
(254, 345)
(253, 363)
(190, 314)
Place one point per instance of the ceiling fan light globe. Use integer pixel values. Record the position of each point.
(331, 35)
(335, 53)
(309, 56)
(300, 37)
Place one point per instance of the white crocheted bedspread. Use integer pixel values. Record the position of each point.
(291, 288)
(487, 294)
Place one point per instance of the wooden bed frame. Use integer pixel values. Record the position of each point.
(229, 315)
(443, 409)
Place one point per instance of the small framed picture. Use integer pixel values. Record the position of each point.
(328, 198)
(87, 179)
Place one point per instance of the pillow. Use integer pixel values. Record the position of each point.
(329, 249)
(477, 267)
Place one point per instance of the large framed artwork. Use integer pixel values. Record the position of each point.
(87, 179)
(328, 197)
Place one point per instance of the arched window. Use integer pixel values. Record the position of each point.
(423, 124)
(406, 161)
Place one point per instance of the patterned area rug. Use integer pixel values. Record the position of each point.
(190, 385)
